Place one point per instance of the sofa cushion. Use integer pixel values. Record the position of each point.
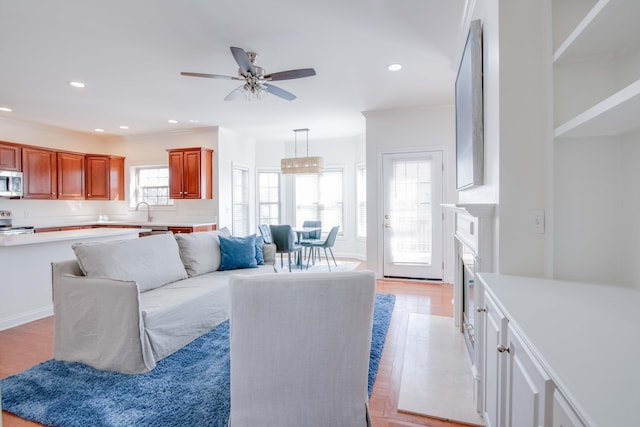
(151, 261)
(200, 252)
(237, 252)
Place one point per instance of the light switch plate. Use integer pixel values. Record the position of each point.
(536, 221)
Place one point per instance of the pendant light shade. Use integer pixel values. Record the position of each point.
(299, 165)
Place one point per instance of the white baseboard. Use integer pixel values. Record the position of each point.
(22, 318)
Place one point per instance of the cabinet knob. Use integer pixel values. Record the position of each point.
(503, 349)
(89, 194)
(481, 309)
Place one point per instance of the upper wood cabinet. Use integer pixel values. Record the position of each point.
(10, 159)
(190, 173)
(70, 175)
(40, 173)
(105, 177)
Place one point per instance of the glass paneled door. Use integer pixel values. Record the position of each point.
(412, 217)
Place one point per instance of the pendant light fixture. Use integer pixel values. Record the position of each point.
(298, 165)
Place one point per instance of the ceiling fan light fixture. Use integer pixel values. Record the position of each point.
(301, 165)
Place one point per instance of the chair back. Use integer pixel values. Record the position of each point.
(300, 347)
(313, 234)
(331, 237)
(284, 238)
(265, 231)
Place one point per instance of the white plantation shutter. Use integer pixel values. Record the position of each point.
(240, 224)
(268, 198)
(361, 197)
(320, 197)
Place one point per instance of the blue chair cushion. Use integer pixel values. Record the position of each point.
(259, 250)
(237, 252)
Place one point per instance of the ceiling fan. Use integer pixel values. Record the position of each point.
(255, 79)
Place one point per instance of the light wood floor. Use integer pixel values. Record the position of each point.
(32, 343)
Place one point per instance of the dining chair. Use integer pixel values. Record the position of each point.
(265, 231)
(326, 244)
(309, 237)
(300, 348)
(285, 240)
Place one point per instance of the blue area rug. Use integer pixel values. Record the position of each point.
(188, 388)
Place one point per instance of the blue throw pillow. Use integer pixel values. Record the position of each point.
(237, 252)
(259, 247)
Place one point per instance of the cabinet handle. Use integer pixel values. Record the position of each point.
(481, 309)
(502, 349)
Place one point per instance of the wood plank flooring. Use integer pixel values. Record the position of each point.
(26, 345)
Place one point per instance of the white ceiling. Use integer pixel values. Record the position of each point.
(130, 54)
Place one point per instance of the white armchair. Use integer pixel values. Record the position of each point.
(300, 347)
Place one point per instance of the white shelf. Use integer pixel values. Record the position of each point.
(615, 115)
(610, 28)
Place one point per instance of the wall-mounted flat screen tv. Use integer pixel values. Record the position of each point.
(469, 114)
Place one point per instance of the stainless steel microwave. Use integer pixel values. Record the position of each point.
(10, 184)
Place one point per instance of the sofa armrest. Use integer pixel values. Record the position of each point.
(97, 321)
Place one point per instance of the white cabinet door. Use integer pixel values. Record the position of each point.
(563, 413)
(495, 327)
(529, 388)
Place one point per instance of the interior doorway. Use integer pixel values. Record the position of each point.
(412, 215)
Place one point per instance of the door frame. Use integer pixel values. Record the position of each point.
(380, 208)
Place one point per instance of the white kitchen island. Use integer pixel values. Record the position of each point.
(25, 266)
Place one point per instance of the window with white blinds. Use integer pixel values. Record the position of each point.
(319, 197)
(240, 224)
(151, 185)
(268, 197)
(361, 200)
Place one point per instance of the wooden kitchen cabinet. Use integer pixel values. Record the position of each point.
(40, 173)
(70, 175)
(105, 177)
(10, 159)
(190, 173)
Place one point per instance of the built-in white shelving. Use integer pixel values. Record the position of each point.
(609, 30)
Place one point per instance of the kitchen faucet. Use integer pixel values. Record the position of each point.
(148, 210)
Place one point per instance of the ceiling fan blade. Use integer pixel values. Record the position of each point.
(234, 94)
(242, 59)
(291, 74)
(275, 90)
(209, 76)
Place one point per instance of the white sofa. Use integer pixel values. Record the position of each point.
(123, 306)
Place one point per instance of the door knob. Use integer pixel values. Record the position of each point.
(387, 226)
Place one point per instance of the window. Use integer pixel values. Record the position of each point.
(268, 198)
(319, 197)
(240, 223)
(361, 200)
(151, 185)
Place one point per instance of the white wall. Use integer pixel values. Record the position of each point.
(517, 98)
(414, 129)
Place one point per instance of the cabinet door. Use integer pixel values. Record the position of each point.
(10, 157)
(98, 177)
(116, 178)
(191, 175)
(179, 230)
(70, 176)
(529, 388)
(176, 171)
(40, 173)
(495, 327)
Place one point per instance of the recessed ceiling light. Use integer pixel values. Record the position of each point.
(77, 84)
(8, 110)
(394, 67)
(124, 127)
(99, 130)
(194, 121)
(172, 121)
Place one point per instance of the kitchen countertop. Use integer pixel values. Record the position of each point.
(57, 236)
